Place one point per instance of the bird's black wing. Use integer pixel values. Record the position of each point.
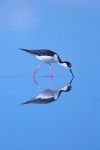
(40, 52)
(46, 52)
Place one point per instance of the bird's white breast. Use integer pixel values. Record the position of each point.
(48, 59)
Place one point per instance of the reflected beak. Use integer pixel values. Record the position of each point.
(71, 72)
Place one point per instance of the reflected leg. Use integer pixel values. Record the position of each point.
(35, 82)
(51, 75)
(51, 83)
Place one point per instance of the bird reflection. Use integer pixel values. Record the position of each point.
(49, 95)
(35, 82)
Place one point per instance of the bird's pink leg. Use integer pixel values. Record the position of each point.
(51, 75)
(51, 82)
(37, 69)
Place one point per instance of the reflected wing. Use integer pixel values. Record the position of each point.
(39, 101)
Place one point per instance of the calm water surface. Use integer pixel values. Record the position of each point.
(70, 122)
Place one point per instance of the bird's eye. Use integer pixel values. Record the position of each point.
(69, 65)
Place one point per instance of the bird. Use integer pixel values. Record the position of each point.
(48, 57)
(48, 95)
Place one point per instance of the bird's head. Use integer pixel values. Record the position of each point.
(67, 64)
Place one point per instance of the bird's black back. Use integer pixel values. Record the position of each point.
(40, 52)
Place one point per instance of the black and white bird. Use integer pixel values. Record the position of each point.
(48, 57)
(48, 95)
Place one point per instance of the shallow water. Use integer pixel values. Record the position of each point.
(71, 121)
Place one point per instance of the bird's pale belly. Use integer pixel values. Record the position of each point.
(47, 59)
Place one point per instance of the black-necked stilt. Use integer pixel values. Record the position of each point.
(48, 57)
(48, 95)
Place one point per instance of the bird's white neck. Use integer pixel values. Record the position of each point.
(63, 64)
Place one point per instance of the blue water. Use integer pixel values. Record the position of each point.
(72, 120)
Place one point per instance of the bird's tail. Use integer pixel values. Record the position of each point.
(29, 51)
(26, 50)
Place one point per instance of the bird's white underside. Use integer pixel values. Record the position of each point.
(52, 94)
(48, 94)
(50, 59)
(65, 87)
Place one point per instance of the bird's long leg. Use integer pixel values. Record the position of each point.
(50, 83)
(37, 69)
(51, 75)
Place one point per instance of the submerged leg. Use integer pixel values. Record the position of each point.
(51, 75)
(37, 69)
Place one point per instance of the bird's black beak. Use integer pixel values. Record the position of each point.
(71, 72)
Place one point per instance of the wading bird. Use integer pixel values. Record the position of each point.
(48, 57)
